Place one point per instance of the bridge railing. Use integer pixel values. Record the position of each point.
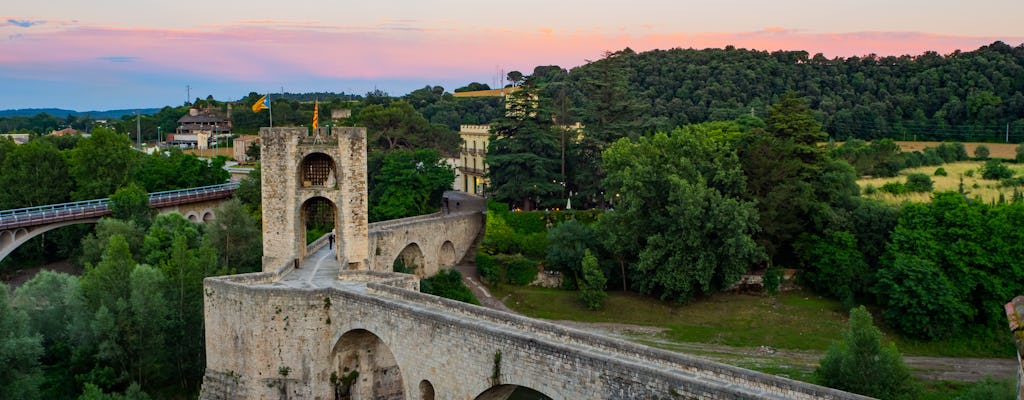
(100, 207)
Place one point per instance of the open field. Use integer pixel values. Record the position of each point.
(987, 190)
(996, 150)
(796, 320)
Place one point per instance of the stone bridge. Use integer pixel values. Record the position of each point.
(336, 323)
(19, 225)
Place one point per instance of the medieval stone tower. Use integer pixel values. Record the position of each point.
(313, 182)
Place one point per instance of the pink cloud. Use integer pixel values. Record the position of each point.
(265, 51)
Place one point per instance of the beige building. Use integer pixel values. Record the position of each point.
(471, 174)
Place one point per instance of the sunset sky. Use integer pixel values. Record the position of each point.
(113, 54)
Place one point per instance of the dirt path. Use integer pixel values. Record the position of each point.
(802, 362)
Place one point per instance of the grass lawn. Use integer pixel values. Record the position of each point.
(975, 186)
(796, 320)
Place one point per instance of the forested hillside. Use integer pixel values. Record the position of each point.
(963, 96)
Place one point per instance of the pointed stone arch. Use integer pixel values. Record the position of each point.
(365, 368)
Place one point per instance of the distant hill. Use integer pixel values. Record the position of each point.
(59, 112)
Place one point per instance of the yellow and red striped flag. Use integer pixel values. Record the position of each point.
(316, 114)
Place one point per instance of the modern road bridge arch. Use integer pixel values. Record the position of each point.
(342, 326)
(17, 226)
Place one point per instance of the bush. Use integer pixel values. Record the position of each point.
(517, 270)
(487, 266)
(499, 237)
(969, 173)
(535, 245)
(593, 283)
(995, 170)
(869, 189)
(1020, 153)
(893, 187)
(990, 389)
(918, 183)
(981, 152)
(448, 284)
(941, 172)
(859, 363)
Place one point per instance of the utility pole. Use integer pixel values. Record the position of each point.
(188, 93)
(138, 129)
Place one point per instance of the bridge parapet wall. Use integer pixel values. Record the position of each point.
(429, 233)
(454, 346)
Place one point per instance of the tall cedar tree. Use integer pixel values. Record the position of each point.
(523, 155)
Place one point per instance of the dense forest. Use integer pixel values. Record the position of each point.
(962, 96)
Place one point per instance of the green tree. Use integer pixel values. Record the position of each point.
(149, 311)
(679, 193)
(409, 183)
(131, 203)
(157, 244)
(785, 166)
(523, 154)
(33, 174)
(400, 126)
(236, 237)
(833, 265)
(592, 285)
(106, 283)
(995, 170)
(981, 152)
(95, 244)
(102, 163)
(859, 363)
(1020, 153)
(567, 244)
(20, 350)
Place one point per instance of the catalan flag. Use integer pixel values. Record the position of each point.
(261, 104)
(316, 114)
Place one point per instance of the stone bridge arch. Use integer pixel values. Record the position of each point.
(365, 368)
(502, 392)
(446, 257)
(411, 260)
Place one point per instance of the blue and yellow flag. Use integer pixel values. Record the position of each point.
(316, 115)
(261, 104)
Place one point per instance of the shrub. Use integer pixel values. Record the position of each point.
(995, 170)
(448, 284)
(487, 267)
(941, 172)
(919, 183)
(893, 187)
(593, 283)
(969, 173)
(981, 152)
(859, 363)
(499, 237)
(1020, 153)
(516, 269)
(869, 189)
(535, 245)
(990, 389)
